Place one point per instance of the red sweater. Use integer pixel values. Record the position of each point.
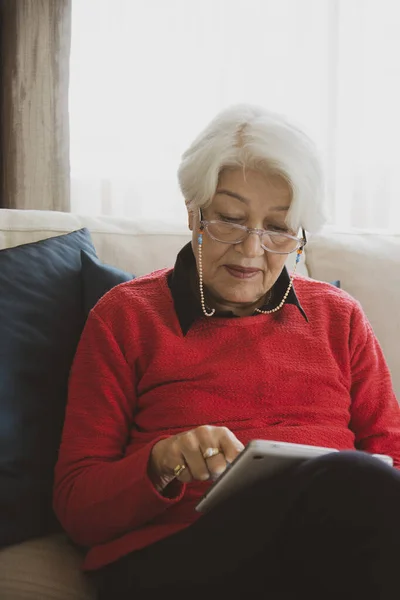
(137, 379)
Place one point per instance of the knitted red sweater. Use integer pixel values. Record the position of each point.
(136, 379)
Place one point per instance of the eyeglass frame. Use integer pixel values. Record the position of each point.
(249, 230)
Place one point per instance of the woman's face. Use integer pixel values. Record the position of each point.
(248, 198)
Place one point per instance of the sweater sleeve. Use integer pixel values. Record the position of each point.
(375, 412)
(99, 492)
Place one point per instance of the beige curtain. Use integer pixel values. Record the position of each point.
(35, 48)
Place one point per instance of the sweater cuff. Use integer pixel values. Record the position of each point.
(171, 494)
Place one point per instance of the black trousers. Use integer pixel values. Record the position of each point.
(328, 529)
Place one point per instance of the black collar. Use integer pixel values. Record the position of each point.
(187, 304)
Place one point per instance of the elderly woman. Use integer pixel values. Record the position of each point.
(178, 370)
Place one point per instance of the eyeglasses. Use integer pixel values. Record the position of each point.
(271, 241)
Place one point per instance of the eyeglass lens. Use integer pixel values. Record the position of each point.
(232, 233)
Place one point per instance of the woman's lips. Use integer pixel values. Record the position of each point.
(242, 272)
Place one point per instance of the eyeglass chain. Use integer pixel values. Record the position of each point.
(210, 312)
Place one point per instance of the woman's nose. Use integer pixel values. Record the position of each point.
(251, 246)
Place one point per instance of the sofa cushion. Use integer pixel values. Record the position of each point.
(44, 569)
(98, 279)
(41, 319)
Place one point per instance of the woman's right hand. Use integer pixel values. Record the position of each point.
(188, 450)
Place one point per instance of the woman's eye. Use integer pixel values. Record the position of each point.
(277, 229)
(230, 219)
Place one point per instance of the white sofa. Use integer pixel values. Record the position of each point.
(367, 264)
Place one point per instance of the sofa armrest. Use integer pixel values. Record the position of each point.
(43, 568)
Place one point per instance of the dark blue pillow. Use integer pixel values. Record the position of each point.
(98, 279)
(336, 283)
(41, 319)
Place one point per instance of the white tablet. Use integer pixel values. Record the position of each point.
(261, 459)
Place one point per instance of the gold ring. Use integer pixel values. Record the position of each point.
(178, 470)
(210, 452)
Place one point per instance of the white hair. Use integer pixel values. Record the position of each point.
(251, 137)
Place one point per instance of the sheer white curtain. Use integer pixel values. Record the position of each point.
(147, 75)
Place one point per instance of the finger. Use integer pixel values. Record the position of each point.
(177, 465)
(216, 464)
(193, 454)
(186, 452)
(184, 475)
(166, 460)
(229, 444)
(222, 439)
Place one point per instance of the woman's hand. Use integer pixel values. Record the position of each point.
(184, 456)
